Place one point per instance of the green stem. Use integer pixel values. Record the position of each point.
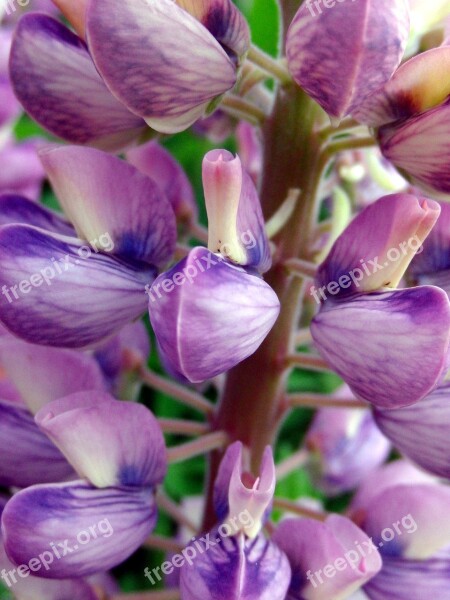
(273, 67)
(323, 401)
(207, 443)
(350, 144)
(243, 109)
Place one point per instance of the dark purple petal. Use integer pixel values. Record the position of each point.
(235, 221)
(18, 210)
(57, 83)
(44, 374)
(100, 527)
(420, 147)
(435, 256)
(59, 292)
(177, 66)
(224, 21)
(312, 546)
(427, 421)
(157, 163)
(234, 568)
(108, 442)
(27, 456)
(111, 204)
(342, 53)
(376, 248)
(9, 105)
(212, 316)
(391, 348)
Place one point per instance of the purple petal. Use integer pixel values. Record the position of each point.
(342, 53)
(312, 546)
(235, 221)
(178, 67)
(44, 374)
(27, 456)
(22, 171)
(409, 520)
(376, 248)
(54, 295)
(402, 579)
(125, 352)
(418, 85)
(75, 13)
(420, 147)
(108, 442)
(391, 349)
(213, 315)
(9, 106)
(435, 255)
(55, 80)
(427, 421)
(236, 490)
(232, 568)
(18, 210)
(100, 527)
(157, 163)
(105, 197)
(398, 472)
(224, 21)
(346, 446)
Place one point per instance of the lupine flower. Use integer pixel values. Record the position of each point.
(267, 573)
(403, 511)
(55, 78)
(36, 376)
(346, 445)
(212, 310)
(118, 450)
(92, 285)
(171, 85)
(364, 45)
(382, 341)
(411, 113)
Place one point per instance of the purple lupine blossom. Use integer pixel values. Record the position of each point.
(308, 288)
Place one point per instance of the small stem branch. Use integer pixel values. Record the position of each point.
(303, 336)
(270, 65)
(183, 427)
(199, 232)
(292, 463)
(343, 127)
(294, 507)
(323, 401)
(162, 543)
(350, 144)
(207, 443)
(302, 268)
(307, 361)
(243, 109)
(177, 391)
(172, 509)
